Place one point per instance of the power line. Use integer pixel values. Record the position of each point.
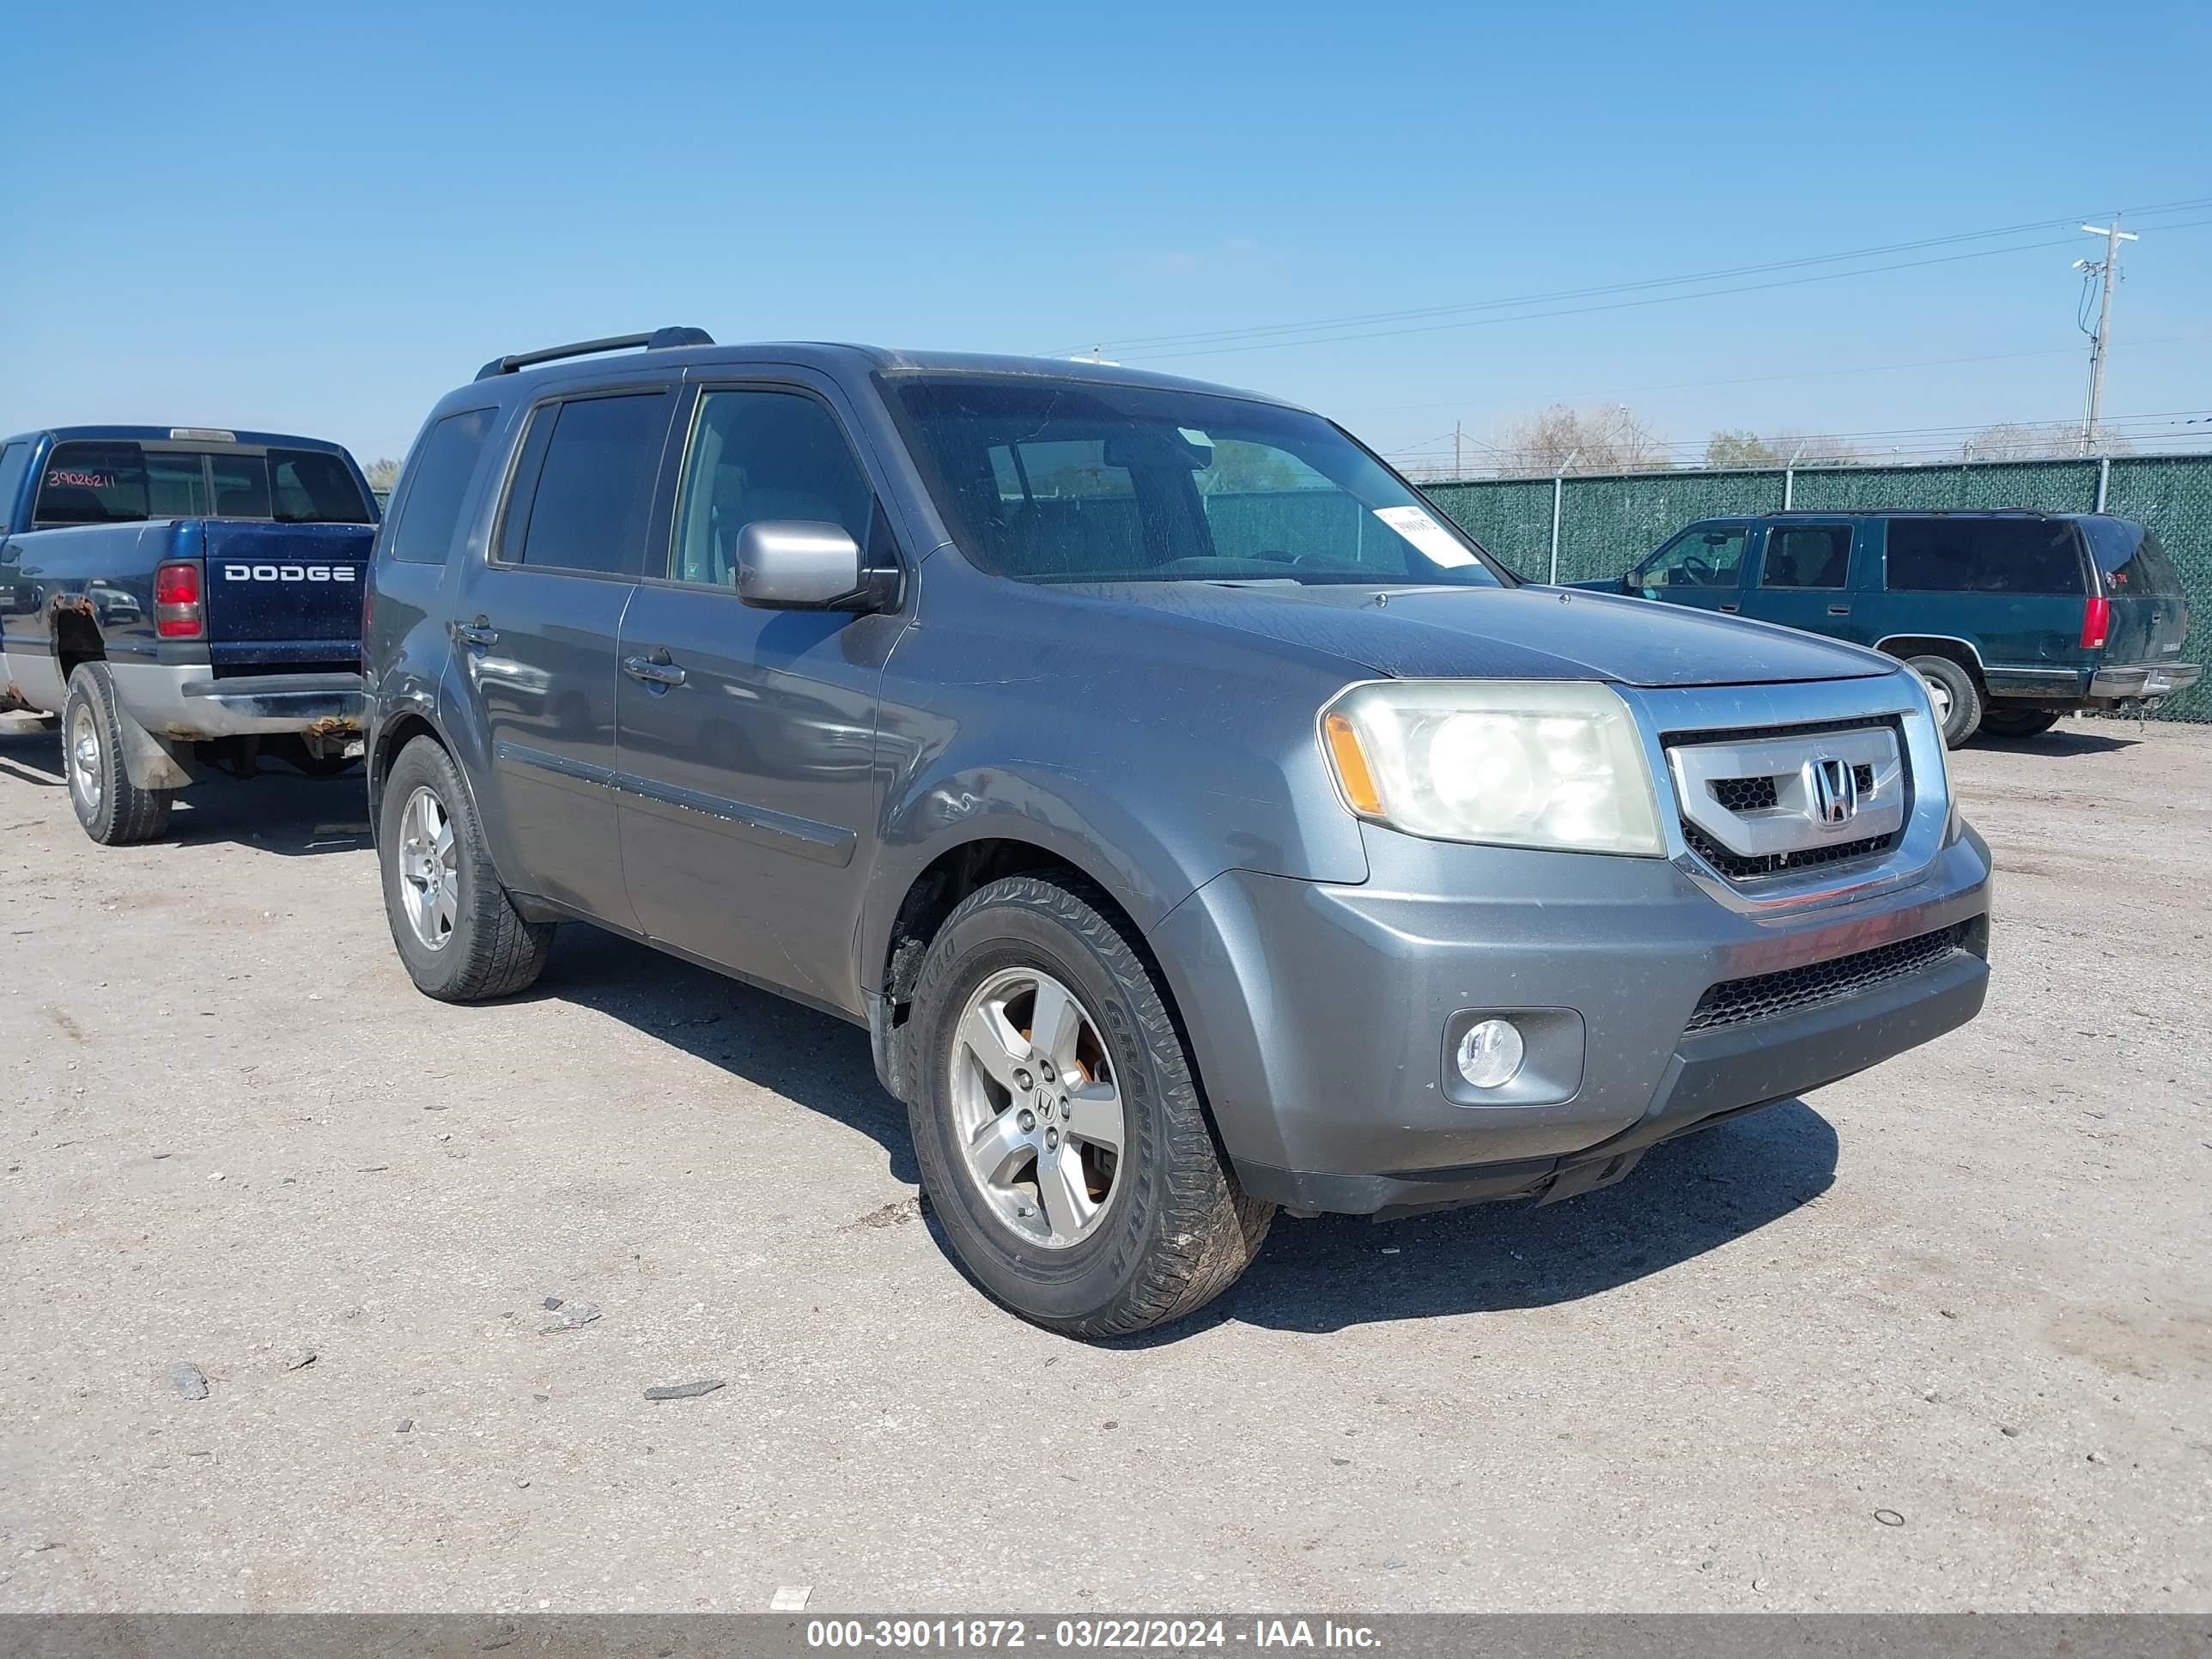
(1621, 305)
(1787, 375)
(1324, 330)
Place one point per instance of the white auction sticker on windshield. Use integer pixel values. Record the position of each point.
(1425, 533)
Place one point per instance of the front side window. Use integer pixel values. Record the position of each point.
(1984, 556)
(437, 484)
(1076, 480)
(1807, 556)
(92, 483)
(591, 490)
(1710, 556)
(762, 455)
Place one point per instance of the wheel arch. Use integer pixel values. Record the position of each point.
(77, 639)
(896, 948)
(1965, 652)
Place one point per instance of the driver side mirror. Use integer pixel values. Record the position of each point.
(795, 564)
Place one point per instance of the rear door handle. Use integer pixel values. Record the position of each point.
(1731, 604)
(476, 633)
(1839, 610)
(653, 670)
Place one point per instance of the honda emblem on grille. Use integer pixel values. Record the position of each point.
(1833, 790)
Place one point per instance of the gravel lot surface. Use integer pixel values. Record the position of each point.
(1935, 1337)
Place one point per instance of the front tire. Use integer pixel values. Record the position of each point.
(114, 811)
(458, 933)
(1057, 1122)
(2016, 724)
(1957, 698)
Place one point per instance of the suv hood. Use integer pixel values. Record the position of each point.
(1509, 633)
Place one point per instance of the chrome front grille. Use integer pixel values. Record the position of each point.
(1759, 803)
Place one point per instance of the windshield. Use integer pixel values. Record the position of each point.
(1070, 481)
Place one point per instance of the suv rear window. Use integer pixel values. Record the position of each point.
(436, 480)
(116, 482)
(2131, 559)
(1984, 556)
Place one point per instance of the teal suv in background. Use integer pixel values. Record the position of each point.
(2013, 618)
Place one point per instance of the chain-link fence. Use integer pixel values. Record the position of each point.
(1605, 525)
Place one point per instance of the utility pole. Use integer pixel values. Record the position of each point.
(2107, 270)
(1458, 470)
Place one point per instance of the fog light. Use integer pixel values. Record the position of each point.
(1491, 1052)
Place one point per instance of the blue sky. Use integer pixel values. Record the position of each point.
(319, 218)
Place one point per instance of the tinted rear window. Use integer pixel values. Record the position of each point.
(588, 500)
(93, 483)
(2131, 559)
(118, 481)
(421, 528)
(313, 486)
(1984, 556)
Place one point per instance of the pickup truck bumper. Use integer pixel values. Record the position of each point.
(1324, 1018)
(185, 703)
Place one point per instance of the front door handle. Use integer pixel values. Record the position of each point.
(477, 633)
(655, 669)
(1839, 610)
(1731, 604)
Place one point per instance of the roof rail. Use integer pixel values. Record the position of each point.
(659, 339)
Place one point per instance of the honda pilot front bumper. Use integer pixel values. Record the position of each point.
(1645, 996)
(1325, 1018)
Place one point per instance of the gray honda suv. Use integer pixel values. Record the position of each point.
(1198, 823)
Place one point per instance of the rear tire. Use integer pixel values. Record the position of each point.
(1957, 698)
(1162, 1225)
(114, 811)
(2016, 724)
(456, 930)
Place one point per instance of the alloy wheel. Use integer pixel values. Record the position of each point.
(429, 869)
(1036, 1107)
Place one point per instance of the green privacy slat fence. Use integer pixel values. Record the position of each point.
(1606, 524)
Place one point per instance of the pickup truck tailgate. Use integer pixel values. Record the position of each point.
(285, 594)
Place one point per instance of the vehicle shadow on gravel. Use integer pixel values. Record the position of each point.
(31, 752)
(2066, 740)
(812, 1059)
(277, 811)
(1686, 1198)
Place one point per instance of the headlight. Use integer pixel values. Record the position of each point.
(1952, 821)
(1522, 763)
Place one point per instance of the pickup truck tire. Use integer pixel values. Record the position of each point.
(1958, 699)
(114, 811)
(482, 947)
(2016, 724)
(1166, 1229)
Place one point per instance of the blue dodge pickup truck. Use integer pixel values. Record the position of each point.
(183, 598)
